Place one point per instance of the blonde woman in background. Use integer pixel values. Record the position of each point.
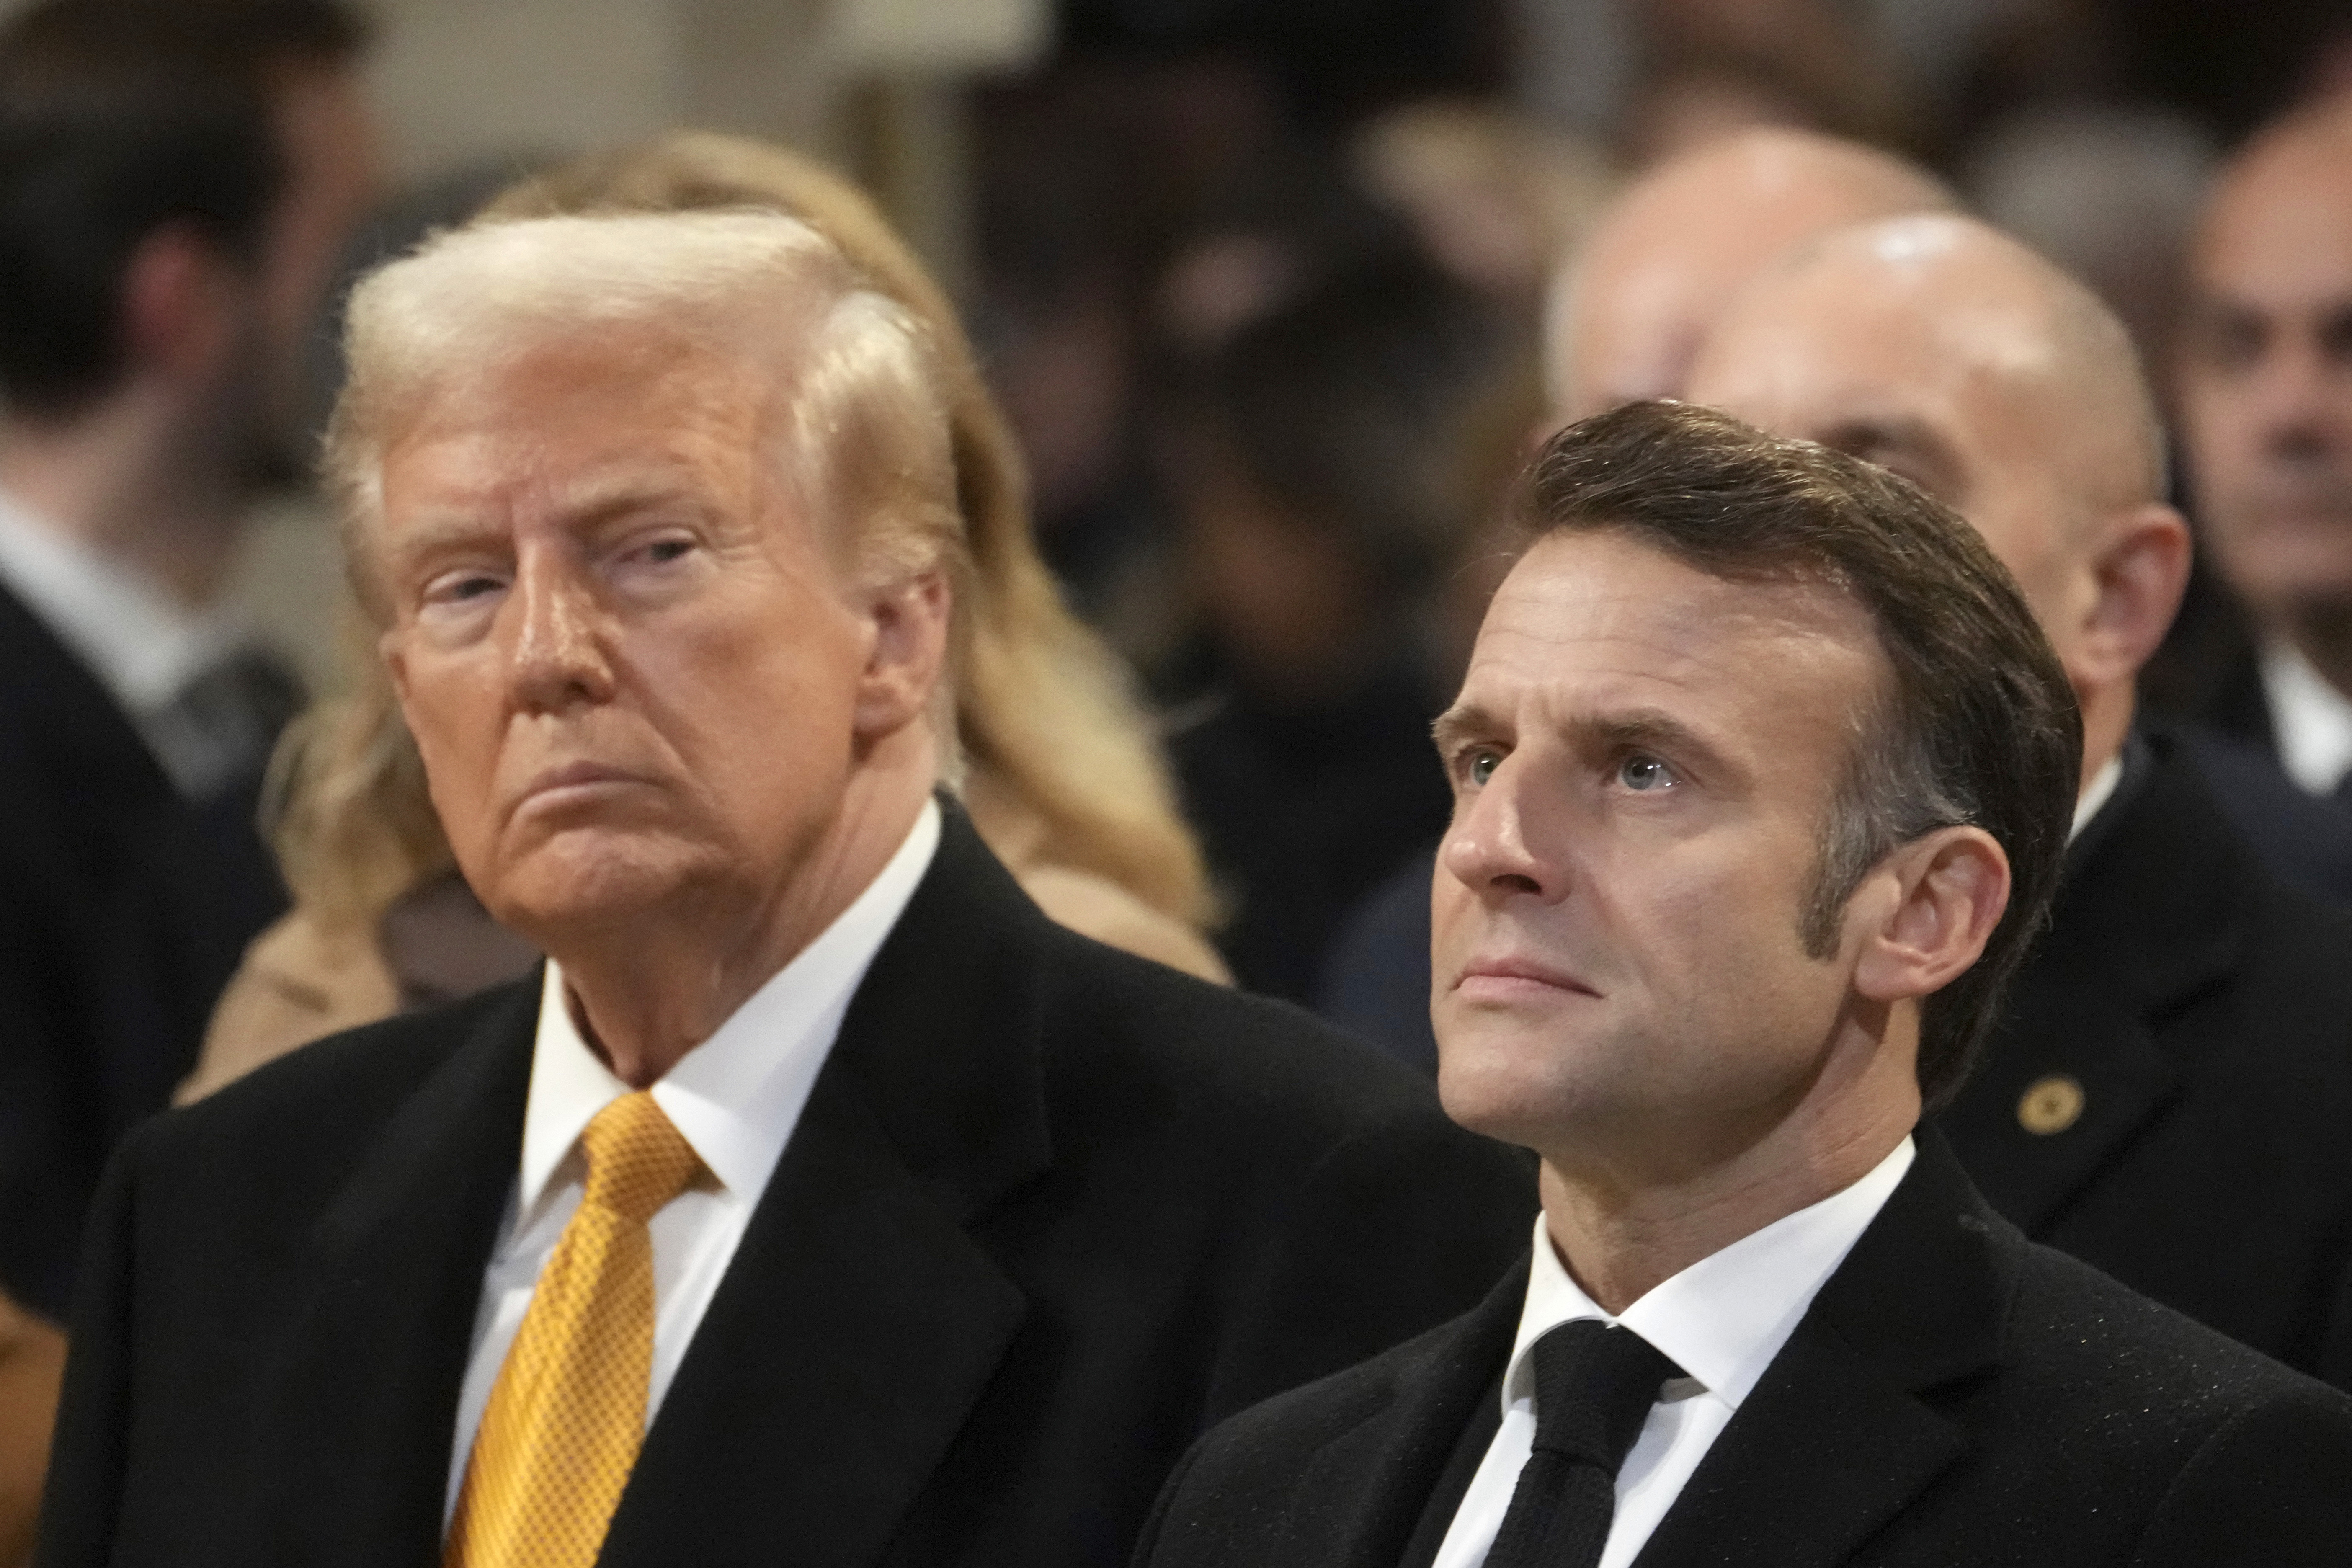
(1061, 776)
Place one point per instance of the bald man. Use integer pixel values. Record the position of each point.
(2167, 1097)
(1628, 312)
(2266, 406)
(1623, 322)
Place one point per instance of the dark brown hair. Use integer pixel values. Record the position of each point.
(118, 117)
(1980, 726)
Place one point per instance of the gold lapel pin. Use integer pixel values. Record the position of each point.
(2050, 1105)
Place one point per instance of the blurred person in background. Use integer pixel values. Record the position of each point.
(1626, 314)
(1494, 197)
(2109, 194)
(2177, 1053)
(176, 179)
(1629, 310)
(1707, 70)
(1324, 460)
(1088, 178)
(1064, 780)
(2266, 397)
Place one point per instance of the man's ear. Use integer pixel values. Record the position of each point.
(908, 657)
(2139, 569)
(181, 304)
(1951, 888)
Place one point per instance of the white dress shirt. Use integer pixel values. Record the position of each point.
(1722, 1320)
(143, 649)
(2312, 720)
(2094, 800)
(736, 1097)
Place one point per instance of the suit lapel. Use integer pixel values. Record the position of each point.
(2082, 1037)
(2150, 917)
(1844, 1431)
(367, 1400)
(1376, 1477)
(860, 1320)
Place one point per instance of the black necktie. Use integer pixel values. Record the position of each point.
(1594, 1386)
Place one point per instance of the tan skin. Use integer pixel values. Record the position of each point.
(2266, 384)
(1627, 317)
(156, 475)
(672, 730)
(32, 1365)
(1937, 348)
(1641, 755)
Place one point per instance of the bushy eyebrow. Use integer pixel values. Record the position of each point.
(1643, 729)
(1459, 723)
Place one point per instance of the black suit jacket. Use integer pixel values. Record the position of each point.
(2213, 698)
(1049, 1211)
(2205, 1013)
(1955, 1395)
(122, 913)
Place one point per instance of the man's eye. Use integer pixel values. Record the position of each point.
(459, 587)
(1645, 775)
(1483, 765)
(658, 551)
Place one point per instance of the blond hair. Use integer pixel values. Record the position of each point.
(1059, 753)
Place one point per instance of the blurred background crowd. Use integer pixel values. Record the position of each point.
(1264, 287)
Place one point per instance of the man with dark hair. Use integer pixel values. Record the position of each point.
(2178, 1053)
(1626, 316)
(2265, 385)
(176, 180)
(1762, 776)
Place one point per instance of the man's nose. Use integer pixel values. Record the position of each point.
(2305, 403)
(1492, 848)
(559, 658)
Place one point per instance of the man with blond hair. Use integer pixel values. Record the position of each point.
(820, 1200)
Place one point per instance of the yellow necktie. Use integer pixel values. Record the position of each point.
(568, 1412)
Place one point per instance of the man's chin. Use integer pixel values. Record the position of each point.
(562, 901)
(1501, 1083)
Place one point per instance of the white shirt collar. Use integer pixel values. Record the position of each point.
(1723, 1319)
(2102, 789)
(2312, 720)
(737, 1095)
(143, 649)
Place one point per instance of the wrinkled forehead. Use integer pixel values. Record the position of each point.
(574, 415)
(1602, 615)
(577, 426)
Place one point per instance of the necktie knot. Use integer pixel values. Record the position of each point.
(1595, 1383)
(637, 1159)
